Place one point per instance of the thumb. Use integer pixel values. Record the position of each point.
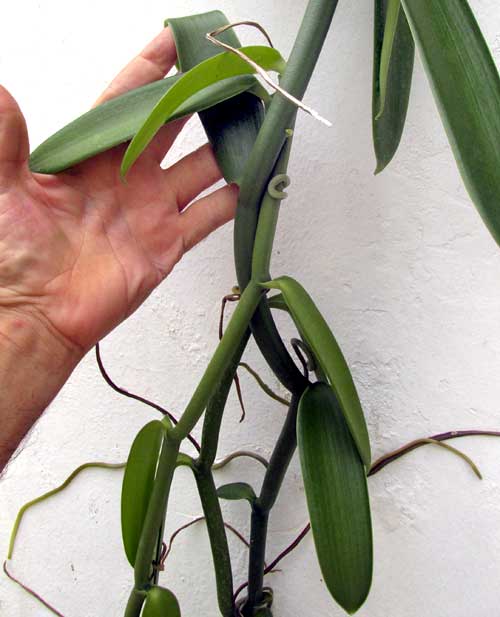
(14, 144)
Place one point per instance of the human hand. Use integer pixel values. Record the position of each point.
(80, 251)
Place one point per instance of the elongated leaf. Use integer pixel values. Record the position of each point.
(320, 339)
(231, 126)
(337, 497)
(466, 87)
(138, 483)
(208, 72)
(236, 491)
(394, 54)
(161, 602)
(119, 119)
(99, 129)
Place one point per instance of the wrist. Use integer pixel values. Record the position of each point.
(35, 362)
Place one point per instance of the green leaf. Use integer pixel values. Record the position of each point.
(236, 491)
(394, 54)
(208, 72)
(161, 602)
(119, 119)
(190, 38)
(337, 497)
(316, 333)
(231, 126)
(138, 483)
(277, 302)
(466, 87)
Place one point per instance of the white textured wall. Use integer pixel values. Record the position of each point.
(400, 264)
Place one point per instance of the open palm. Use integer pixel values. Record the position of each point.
(80, 251)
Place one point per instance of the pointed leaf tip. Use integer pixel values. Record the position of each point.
(316, 333)
(203, 75)
(337, 497)
(236, 491)
(393, 60)
(466, 86)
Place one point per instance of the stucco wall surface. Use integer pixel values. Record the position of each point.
(400, 264)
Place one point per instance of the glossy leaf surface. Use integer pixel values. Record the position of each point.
(161, 602)
(119, 119)
(236, 491)
(138, 483)
(394, 54)
(466, 87)
(337, 497)
(320, 339)
(206, 73)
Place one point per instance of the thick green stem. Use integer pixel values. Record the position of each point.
(274, 350)
(234, 333)
(269, 213)
(262, 324)
(156, 512)
(215, 408)
(279, 117)
(218, 541)
(134, 604)
(268, 220)
(273, 479)
(262, 162)
(206, 485)
(280, 459)
(258, 537)
(265, 332)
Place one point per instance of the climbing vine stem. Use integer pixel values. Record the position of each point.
(271, 485)
(259, 170)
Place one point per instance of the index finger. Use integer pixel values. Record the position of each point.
(153, 63)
